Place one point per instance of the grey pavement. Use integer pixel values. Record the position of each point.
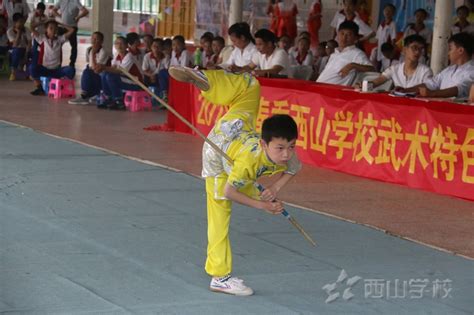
(83, 231)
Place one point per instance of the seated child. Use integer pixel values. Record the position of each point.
(113, 81)
(167, 51)
(20, 38)
(252, 157)
(147, 42)
(180, 56)
(207, 53)
(218, 44)
(96, 58)
(462, 24)
(455, 80)
(285, 43)
(49, 61)
(301, 62)
(410, 72)
(154, 69)
(37, 21)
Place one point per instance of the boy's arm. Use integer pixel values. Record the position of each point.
(231, 193)
(270, 192)
(449, 92)
(69, 30)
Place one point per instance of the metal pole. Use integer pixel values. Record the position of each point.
(235, 11)
(103, 21)
(441, 33)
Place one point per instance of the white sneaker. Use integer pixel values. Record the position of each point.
(184, 74)
(230, 285)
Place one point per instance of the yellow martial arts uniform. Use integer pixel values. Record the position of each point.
(235, 134)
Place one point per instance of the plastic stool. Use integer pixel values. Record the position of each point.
(45, 84)
(61, 88)
(137, 100)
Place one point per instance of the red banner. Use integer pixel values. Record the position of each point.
(418, 143)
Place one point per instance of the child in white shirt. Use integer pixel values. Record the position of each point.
(180, 56)
(49, 60)
(20, 38)
(154, 69)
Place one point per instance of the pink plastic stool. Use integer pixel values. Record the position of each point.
(137, 100)
(61, 88)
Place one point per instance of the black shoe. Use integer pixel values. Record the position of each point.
(38, 91)
(117, 105)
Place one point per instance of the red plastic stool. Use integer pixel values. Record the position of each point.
(137, 100)
(61, 88)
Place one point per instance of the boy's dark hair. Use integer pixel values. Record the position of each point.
(167, 42)
(422, 11)
(208, 35)
(180, 38)
(283, 36)
(349, 25)
(306, 39)
(17, 16)
(279, 126)
(322, 45)
(353, 2)
(132, 38)
(304, 33)
(463, 8)
(241, 29)
(123, 39)
(148, 35)
(220, 40)
(266, 36)
(41, 6)
(415, 38)
(48, 23)
(463, 40)
(389, 5)
(100, 35)
(159, 41)
(333, 42)
(387, 47)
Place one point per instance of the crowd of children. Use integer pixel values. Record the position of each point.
(277, 53)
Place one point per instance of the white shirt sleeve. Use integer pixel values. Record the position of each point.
(364, 29)
(146, 63)
(434, 83)
(127, 62)
(361, 59)
(256, 59)
(280, 59)
(335, 20)
(388, 73)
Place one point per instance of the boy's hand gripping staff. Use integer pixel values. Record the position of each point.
(292, 220)
(212, 144)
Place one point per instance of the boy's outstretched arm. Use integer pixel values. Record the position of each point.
(231, 193)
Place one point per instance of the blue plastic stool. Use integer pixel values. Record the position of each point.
(45, 84)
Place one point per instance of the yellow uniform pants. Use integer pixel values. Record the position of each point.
(242, 94)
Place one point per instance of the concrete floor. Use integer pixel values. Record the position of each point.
(85, 230)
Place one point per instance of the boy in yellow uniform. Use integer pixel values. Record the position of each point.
(253, 156)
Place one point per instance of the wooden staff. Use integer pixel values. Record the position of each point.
(212, 144)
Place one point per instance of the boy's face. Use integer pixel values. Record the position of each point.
(346, 38)
(420, 17)
(284, 43)
(120, 45)
(349, 7)
(51, 30)
(148, 41)
(455, 52)
(263, 47)
(413, 51)
(462, 14)
(155, 48)
(279, 150)
(19, 24)
(238, 42)
(388, 13)
(303, 46)
(95, 40)
(177, 46)
(216, 47)
(207, 47)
